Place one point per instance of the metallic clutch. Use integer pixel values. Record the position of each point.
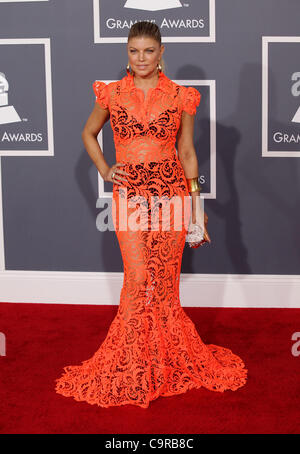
(197, 235)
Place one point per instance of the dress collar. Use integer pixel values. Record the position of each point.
(127, 83)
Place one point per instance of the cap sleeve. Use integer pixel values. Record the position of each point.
(191, 99)
(101, 91)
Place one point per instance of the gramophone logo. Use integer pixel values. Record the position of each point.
(296, 93)
(154, 5)
(296, 117)
(8, 113)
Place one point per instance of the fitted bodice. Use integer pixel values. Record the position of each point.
(145, 128)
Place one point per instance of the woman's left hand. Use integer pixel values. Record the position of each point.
(206, 237)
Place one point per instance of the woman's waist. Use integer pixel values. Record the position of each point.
(154, 175)
(142, 151)
(165, 168)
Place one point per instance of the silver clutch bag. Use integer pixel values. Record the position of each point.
(196, 235)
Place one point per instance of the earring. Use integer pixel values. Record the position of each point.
(159, 68)
(128, 70)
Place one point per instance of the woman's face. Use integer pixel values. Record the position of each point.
(144, 54)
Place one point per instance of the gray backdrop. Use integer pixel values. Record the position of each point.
(49, 201)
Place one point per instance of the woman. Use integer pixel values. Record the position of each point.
(152, 347)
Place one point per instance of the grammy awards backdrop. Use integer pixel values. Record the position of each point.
(243, 57)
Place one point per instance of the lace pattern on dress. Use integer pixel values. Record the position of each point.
(152, 347)
(191, 99)
(100, 90)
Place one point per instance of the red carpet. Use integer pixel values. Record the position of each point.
(43, 338)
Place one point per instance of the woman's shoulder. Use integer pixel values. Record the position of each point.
(104, 84)
(189, 97)
(181, 90)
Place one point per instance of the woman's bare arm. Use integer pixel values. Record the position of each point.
(89, 135)
(93, 126)
(187, 153)
(185, 145)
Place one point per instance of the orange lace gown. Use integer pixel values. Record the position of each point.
(152, 347)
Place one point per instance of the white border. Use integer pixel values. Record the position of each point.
(49, 108)
(165, 39)
(212, 96)
(196, 290)
(265, 69)
(212, 154)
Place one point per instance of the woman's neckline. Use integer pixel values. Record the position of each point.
(158, 84)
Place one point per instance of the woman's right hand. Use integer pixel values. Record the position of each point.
(114, 174)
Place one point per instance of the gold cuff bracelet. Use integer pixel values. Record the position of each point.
(193, 184)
